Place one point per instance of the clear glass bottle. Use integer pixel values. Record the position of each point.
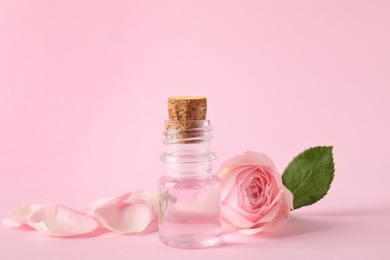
(189, 193)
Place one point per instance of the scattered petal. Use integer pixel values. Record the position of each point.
(127, 214)
(130, 213)
(58, 220)
(20, 215)
(124, 218)
(105, 201)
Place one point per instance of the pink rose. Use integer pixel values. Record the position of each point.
(253, 196)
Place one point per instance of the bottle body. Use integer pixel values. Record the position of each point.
(189, 213)
(189, 193)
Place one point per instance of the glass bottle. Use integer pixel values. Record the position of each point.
(189, 193)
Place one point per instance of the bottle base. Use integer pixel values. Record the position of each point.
(191, 241)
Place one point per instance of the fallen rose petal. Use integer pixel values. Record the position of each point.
(148, 195)
(19, 215)
(124, 218)
(105, 201)
(58, 220)
(127, 214)
(130, 213)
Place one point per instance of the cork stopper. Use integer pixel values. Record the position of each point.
(184, 115)
(187, 108)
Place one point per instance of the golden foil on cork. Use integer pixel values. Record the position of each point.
(182, 111)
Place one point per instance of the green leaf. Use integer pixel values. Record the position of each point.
(309, 175)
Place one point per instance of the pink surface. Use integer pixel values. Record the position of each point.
(83, 92)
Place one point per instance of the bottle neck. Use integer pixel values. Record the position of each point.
(188, 152)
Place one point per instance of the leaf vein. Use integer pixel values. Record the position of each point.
(299, 185)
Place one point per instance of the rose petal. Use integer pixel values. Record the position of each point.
(105, 201)
(124, 218)
(264, 214)
(232, 194)
(251, 231)
(129, 213)
(228, 178)
(228, 228)
(288, 198)
(142, 195)
(19, 215)
(270, 212)
(279, 218)
(249, 158)
(59, 220)
(148, 195)
(275, 181)
(234, 218)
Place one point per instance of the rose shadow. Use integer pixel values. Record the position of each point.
(297, 225)
(320, 221)
(301, 224)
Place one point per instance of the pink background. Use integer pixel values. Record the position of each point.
(83, 93)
